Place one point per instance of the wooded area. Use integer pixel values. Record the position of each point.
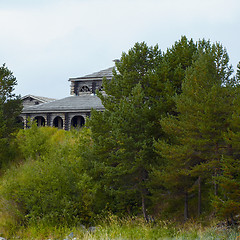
(167, 145)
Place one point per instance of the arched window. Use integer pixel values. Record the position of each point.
(58, 122)
(100, 88)
(84, 89)
(77, 121)
(40, 121)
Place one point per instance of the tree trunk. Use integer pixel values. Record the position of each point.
(216, 170)
(215, 188)
(144, 193)
(215, 184)
(144, 208)
(199, 196)
(230, 150)
(186, 207)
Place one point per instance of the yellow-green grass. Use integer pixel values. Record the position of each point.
(128, 228)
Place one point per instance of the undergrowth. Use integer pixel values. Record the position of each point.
(128, 228)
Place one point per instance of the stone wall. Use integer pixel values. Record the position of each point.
(60, 120)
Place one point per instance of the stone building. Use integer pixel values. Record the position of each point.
(31, 100)
(71, 111)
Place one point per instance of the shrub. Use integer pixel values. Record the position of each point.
(53, 188)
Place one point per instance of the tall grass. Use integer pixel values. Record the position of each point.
(129, 228)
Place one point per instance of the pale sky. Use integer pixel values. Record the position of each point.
(45, 42)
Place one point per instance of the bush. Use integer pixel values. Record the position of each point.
(54, 187)
(36, 142)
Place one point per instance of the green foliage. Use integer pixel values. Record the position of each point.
(179, 57)
(169, 132)
(195, 140)
(10, 108)
(227, 203)
(238, 71)
(140, 93)
(131, 228)
(10, 217)
(123, 143)
(54, 187)
(35, 142)
(134, 67)
(54, 191)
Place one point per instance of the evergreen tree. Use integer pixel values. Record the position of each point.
(10, 108)
(238, 72)
(139, 94)
(227, 203)
(123, 143)
(179, 57)
(195, 145)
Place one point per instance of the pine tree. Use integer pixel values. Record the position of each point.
(179, 57)
(123, 143)
(238, 72)
(10, 108)
(227, 204)
(139, 94)
(196, 144)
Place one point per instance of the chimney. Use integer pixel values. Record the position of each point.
(94, 88)
(116, 60)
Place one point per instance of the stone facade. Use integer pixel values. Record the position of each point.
(89, 83)
(68, 112)
(30, 100)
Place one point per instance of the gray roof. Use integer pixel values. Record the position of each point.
(69, 104)
(97, 75)
(43, 99)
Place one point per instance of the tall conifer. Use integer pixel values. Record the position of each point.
(139, 94)
(196, 143)
(227, 203)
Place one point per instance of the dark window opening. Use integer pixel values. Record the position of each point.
(40, 121)
(84, 89)
(77, 121)
(58, 122)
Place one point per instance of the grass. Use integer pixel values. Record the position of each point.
(126, 229)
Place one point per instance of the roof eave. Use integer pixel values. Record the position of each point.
(62, 111)
(89, 79)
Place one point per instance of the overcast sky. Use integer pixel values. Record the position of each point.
(45, 42)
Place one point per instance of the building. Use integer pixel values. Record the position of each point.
(31, 100)
(71, 111)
